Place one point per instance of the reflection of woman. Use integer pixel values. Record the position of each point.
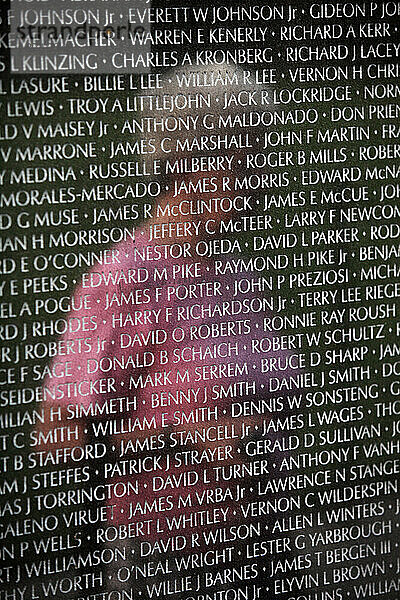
(169, 337)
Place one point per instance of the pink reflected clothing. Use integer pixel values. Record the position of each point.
(171, 336)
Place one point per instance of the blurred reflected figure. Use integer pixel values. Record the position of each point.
(171, 378)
